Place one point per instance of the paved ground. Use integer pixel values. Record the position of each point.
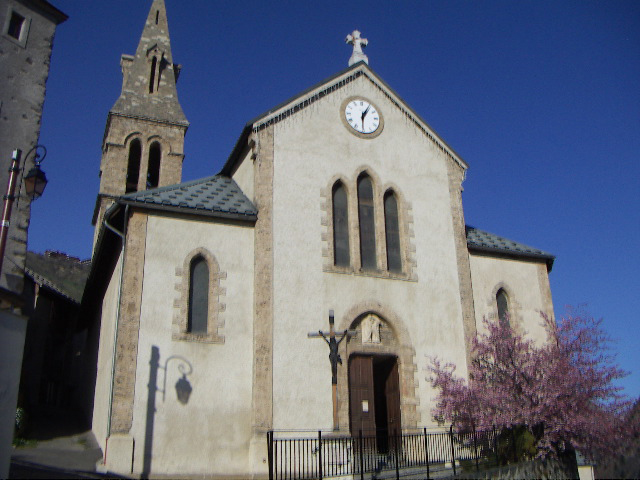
(58, 446)
(73, 456)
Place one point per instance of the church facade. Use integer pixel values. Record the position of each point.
(340, 203)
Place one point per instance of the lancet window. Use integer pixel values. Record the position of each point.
(200, 299)
(374, 242)
(367, 223)
(198, 296)
(502, 302)
(133, 166)
(153, 169)
(340, 225)
(392, 232)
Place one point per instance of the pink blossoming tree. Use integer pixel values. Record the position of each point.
(562, 393)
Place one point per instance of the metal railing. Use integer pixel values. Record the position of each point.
(416, 452)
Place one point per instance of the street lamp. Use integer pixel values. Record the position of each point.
(35, 182)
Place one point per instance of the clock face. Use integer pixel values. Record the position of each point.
(362, 116)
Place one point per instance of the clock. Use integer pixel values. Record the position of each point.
(362, 117)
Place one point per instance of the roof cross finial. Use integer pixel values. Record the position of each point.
(357, 42)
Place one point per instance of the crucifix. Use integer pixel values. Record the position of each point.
(333, 339)
(358, 42)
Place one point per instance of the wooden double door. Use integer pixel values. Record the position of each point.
(374, 398)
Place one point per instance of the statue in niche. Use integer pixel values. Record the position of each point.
(371, 329)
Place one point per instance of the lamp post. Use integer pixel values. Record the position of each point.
(35, 181)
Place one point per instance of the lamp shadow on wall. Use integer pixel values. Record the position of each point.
(183, 390)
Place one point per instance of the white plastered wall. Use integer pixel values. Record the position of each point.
(312, 147)
(520, 280)
(102, 396)
(243, 175)
(211, 432)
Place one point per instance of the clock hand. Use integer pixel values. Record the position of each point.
(364, 114)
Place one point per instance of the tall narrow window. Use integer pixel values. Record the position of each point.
(503, 307)
(198, 296)
(392, 232)
(153, 169)
(133, 167)
(15, 25)
(367, 223)
(157, 16)
(340, 226)
(152, 75)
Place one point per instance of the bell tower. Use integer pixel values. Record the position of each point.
(143, 144)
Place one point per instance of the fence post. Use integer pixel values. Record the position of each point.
(475, 448)
(453, 451)
(361, 457)
(395, 444)
(426, 451)
(270, 453)
(320, 454)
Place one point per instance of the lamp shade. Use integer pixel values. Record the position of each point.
(183, 390)
(35, 182)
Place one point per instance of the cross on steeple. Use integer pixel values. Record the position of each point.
(358, 42)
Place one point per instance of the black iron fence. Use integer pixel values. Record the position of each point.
(419, 452)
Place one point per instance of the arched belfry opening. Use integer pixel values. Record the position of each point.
(133, 166)
(153, 168)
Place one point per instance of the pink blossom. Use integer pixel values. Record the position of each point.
(564, 391)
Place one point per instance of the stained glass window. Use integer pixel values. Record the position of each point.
(367, 223)
(340, 226)
(392, 232)
(198, 296)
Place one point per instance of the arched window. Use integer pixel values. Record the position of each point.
(198, 296)
(133, 167)
(153, 169)
(392, 232)
(340, 226)
(367, 223)
(503, 307)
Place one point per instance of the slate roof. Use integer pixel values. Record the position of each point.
(217, 196)
(479, 240)
(59, 272)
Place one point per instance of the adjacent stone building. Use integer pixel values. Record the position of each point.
(28, 29)
(26, 40)
(342, 199)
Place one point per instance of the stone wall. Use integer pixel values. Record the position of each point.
(542, 469)
(24, 68)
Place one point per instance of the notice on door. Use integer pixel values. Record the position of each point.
(365, 406)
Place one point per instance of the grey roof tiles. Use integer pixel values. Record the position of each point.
(488, 242)
(214, 196)
(61, 273)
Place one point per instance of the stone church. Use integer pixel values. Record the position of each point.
(212, 296)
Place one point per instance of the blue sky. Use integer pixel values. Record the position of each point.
(541, 99)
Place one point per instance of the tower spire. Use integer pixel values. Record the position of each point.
(143, 144)
(150, 76)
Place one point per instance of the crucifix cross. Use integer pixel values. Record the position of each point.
(333, 339)
(358, 42)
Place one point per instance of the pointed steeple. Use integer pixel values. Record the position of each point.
(150, 77)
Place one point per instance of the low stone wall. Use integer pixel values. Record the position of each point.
(542, 469)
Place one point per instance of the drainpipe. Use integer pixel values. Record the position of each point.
(123, 236)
